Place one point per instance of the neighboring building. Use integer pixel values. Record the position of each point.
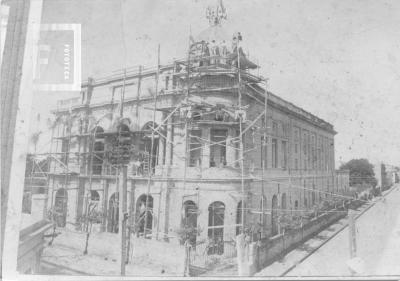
(295, 148)
(386, 175)
(31, 236)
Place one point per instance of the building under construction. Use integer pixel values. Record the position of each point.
(209, 151)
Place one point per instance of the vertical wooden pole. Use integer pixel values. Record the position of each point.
(131, 218)
(105, 204)
(122, 211)
(352, 234)
(152, 144)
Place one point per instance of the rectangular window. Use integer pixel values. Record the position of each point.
(296, 164)
(309, 151)
(274, 153)
(195, 148)
(166, 82)
(284, 155)
(296, 135)
(313, 158)
(218, 147)
(64, 150)
(274, 128)
(264, 152)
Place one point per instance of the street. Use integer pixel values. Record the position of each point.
(377, 241)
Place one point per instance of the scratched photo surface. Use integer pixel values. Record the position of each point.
(200, 138)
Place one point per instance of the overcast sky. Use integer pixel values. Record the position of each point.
(340, 60)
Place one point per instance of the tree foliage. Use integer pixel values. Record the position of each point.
(361, 172)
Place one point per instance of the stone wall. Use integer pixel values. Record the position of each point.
(257, 255)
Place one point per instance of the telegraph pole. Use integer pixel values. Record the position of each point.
(122, 186)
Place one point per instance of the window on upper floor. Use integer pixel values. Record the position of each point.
(296, 134)
(304, 142)
(274, 146)
(284, 155)
(166, 82)
(264, 152)
(274, 128)
(218, 147)
(64, 150)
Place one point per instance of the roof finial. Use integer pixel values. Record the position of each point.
(216, 14)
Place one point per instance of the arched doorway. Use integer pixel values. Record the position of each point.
(60, 207)
(283, 202)
(98, 151)
(274, 216)
(142, 219)
(263, 215)
(113, 213)
(313, 196)
(190, 220)
(216, 216)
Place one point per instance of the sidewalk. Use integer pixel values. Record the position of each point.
(377, 241)
(282, 266)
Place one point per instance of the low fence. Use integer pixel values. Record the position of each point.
(204, 254)
(259, 254)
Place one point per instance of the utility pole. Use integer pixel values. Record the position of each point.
(241, 148)
(122, 186)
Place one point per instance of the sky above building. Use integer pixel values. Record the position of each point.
(339, 60)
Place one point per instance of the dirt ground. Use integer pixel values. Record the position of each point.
(65, 257)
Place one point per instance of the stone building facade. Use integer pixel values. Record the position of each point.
(185, 148)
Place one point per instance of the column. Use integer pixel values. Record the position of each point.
(168, 148)
(230, 148)
(161, 144)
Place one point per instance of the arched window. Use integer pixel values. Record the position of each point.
(99, 132)
(238, 217)
(296, 205)
(123, 128)
(61, 207)
(274, 216)
(216, 216)
(144, 211)
(262, 208)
